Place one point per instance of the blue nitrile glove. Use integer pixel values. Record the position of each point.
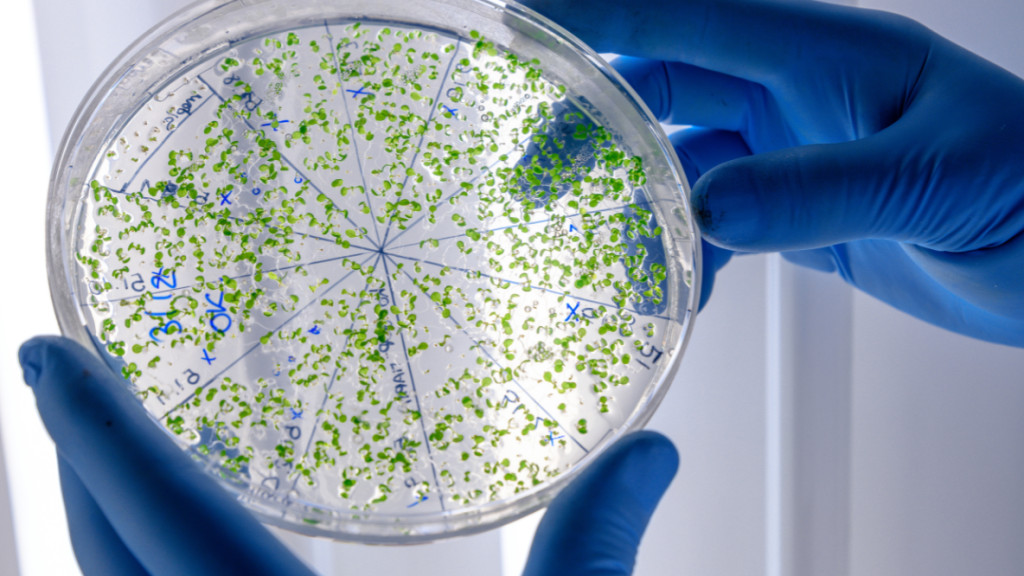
(879, 149)
(139, 505)
(594, 527)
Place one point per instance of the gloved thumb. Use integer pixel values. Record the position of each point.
(595, 525)
(168, 512)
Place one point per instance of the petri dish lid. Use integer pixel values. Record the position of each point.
(392, 271)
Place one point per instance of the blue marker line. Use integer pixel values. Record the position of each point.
(505, 399)
(355, 142)
(433, 109)
(313, 263)
(219, 310)
(457, 190)
(500, 228)
(327, 394)
(289, 162)
(314, 236)
(206, 356)
(271, 124)
(359, 92)
(161, 278)
(572, 311)
(418, 501)
(538, 288)
(258, 344)
(412, 382)
(162, 142)
(514, 381)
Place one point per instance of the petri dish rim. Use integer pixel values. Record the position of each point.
(85, 137)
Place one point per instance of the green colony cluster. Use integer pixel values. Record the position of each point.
(375, 269)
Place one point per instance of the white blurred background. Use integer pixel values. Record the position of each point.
(820, 432)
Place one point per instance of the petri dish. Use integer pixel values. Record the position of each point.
(391, 271)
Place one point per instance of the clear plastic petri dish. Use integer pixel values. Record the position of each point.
(392, 271)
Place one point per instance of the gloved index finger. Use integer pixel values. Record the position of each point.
(755, 40)
(172, 516)
(682, 94)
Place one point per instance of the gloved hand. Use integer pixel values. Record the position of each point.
(863, 142)
(138, 505)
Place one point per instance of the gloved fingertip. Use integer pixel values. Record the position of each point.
(729, 208)
(636, 470)
(35, 353)
(31, 356)
(659, 458)
(595, 525)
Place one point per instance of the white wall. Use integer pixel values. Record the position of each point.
(938, 455)
(712, 520)
(36, 509)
